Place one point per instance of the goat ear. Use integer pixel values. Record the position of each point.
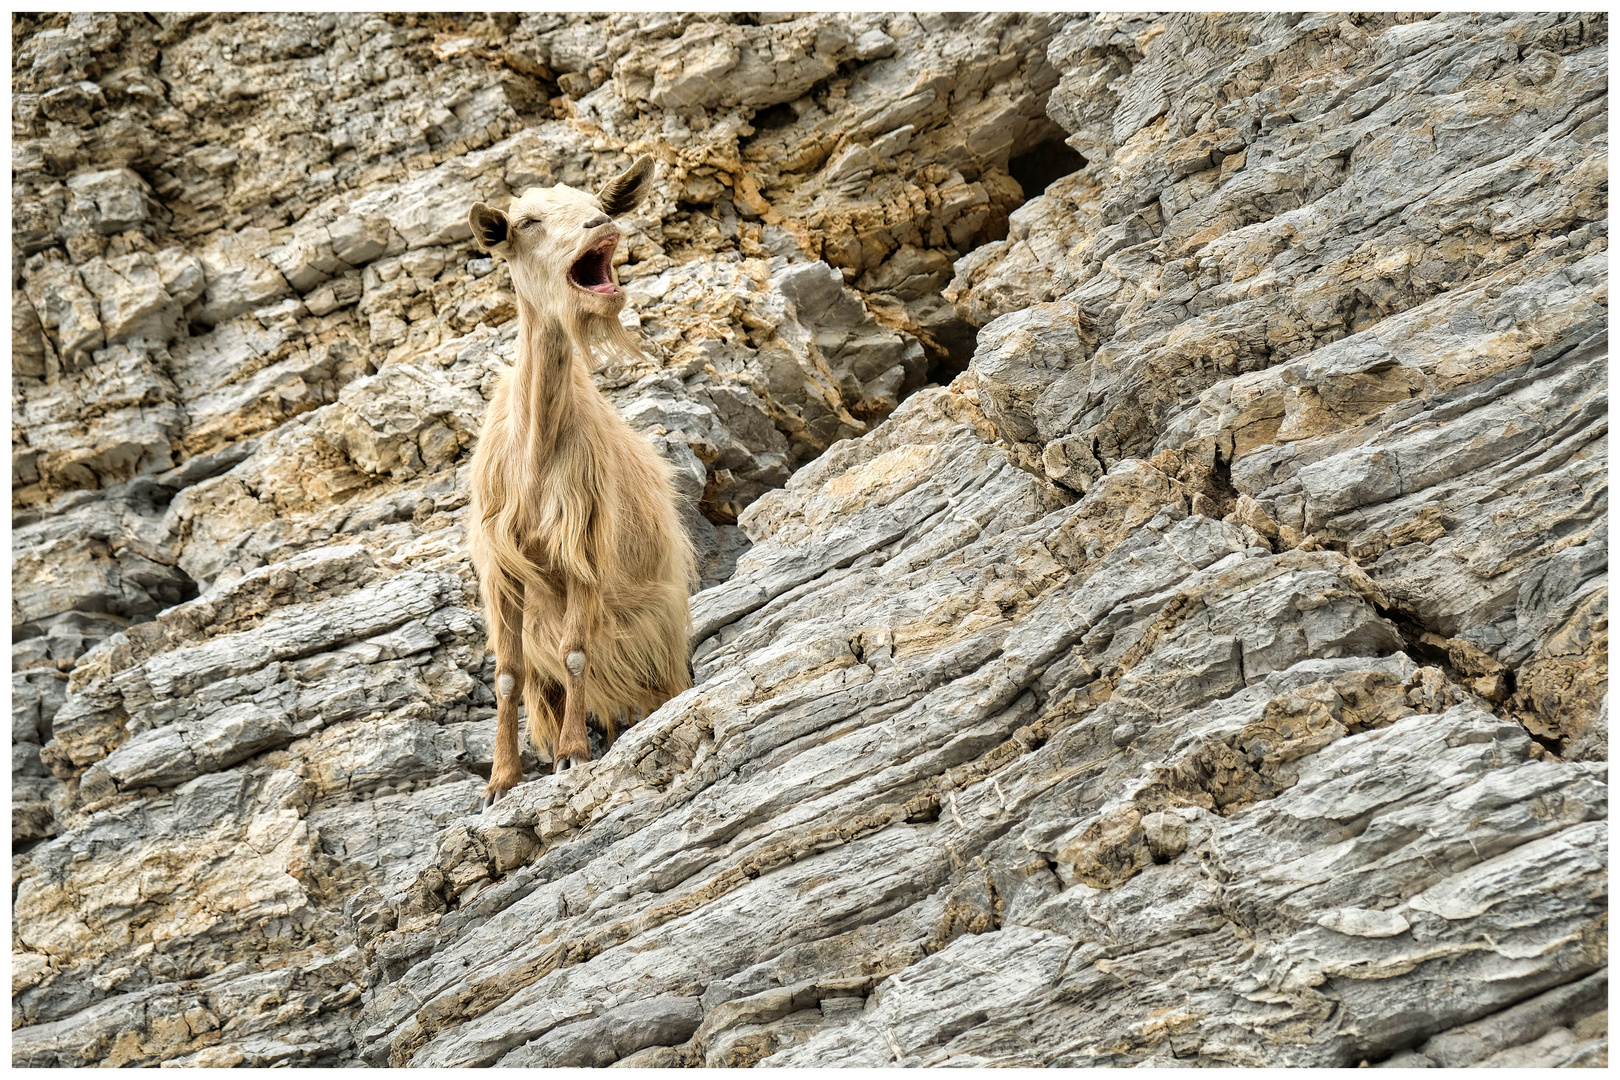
(488, 226)
(621, 194)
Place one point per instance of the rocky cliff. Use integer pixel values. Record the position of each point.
(1149, 476)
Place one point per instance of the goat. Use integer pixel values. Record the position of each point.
(584, 564)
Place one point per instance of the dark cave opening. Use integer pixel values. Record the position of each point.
(1049, 161)
(775, 117)
(952, 341)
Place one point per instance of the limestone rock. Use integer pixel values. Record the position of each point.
(1149, 482)
(239, 278)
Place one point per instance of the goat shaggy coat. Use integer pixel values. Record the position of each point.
(584, 564)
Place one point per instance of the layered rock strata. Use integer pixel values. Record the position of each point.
(1210, 671)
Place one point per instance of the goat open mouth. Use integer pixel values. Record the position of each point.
(593, 271)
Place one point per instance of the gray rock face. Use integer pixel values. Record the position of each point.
(1210, 671)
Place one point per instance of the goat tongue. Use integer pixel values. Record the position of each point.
(593, 270)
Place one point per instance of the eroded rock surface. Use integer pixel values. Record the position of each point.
(1211, 671)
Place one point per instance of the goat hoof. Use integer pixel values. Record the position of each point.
(488, 801)
(567, 762)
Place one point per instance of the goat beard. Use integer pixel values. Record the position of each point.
(603, 341)
(598, 340)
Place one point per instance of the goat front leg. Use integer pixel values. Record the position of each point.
(506, 636)
(574, 744)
